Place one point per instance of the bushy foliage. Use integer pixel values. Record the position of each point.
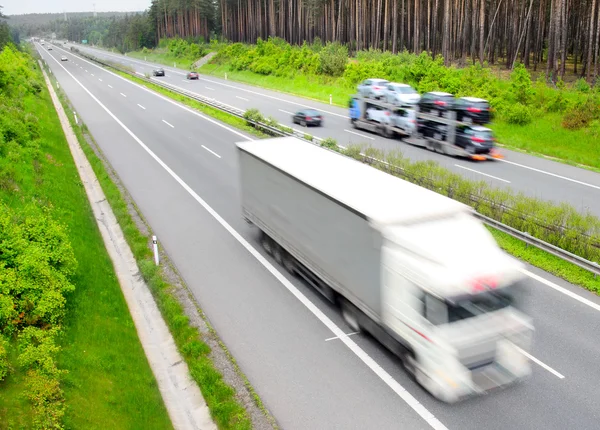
(36, 261)
(329, 143)
(4, 365)
(520, 84)
(334, 57)
(518, 114)
(582, 114)
(183, 49)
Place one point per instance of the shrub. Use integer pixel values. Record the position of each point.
(4, 366)
(582, 86)
(520, 85)
(334, 57)
(329, 143)
(582, 114)
(253, 115)
(517, 114)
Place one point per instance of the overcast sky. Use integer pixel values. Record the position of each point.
(16, 7)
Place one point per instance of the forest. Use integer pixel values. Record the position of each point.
(557, 36)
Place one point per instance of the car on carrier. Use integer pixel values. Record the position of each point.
(472, 110)
(373, 88)
(475, 139)
(401, 94)
(436, 103)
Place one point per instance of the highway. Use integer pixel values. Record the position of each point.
(180, 167)
(534, 176)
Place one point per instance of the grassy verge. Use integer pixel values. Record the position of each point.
(544, 136)
(109, 383)
(547, 262)
(531, 255)
(166, 58)
(221, 399)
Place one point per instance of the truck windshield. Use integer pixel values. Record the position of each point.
(443, 312)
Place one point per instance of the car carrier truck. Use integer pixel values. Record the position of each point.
(414, 269)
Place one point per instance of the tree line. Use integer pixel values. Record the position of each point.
(558, 35)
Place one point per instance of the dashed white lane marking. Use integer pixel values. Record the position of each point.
(540, 363)
(141, 106)
(211, 151)
(170, 125)
(242, 98)
(359, 134)
(481, 173)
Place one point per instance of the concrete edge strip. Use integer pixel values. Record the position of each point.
(182, 397)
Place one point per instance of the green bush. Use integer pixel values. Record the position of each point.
(582, 86)
(334, 57)
(254, 115)
(582, 114)
(518, 114)
(520, 84)
(329, 143)
(4, 365)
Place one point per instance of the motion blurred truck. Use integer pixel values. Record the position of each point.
(414, 269)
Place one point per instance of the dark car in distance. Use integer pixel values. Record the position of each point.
(307, 117)
(158, 72)
(192, 75)
(472, 110)
(436, 103)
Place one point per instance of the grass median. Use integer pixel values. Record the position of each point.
(519, 249)
(109, 383)
(222, 400)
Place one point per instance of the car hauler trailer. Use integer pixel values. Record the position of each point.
(439, 132)
(389, 120)
(413, 268)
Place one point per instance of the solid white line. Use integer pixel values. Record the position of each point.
(285, 111)
(242, 98)
(172, 126)
(359, 134)
(123, 95)
(337, 337)
(545, 366)
(359, 352)
(481, 173)
(109, 85)
(212, 152)
(209, 88)
(560, 289)
(100, 79)
(141, 106)
(552, 174)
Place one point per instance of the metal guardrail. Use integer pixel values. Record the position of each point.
(590, 266)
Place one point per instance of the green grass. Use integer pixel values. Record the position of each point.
(226, 410)
(547, 262)
(315, 88)
(544, 136)
(163, 57)
(109, 383)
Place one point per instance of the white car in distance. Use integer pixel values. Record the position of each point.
(401, 94)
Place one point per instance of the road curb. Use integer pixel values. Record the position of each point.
(181, 395)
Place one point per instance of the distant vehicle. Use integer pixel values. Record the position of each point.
(192, 75)
(471, 109)
(475, 139)
(372, 88)
(308, 117)
(49, 48)
(401, 94)
(158, 72)
(63, 58)
(436, 103)
(412, 268)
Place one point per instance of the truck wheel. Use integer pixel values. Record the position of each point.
(267, 243)
(350, 315)
(278, 254)
(289, 263)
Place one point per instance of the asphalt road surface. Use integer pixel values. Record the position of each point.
(534, 176)
(181, 169)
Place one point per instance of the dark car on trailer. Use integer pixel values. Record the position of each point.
(308, 117)
(473, 110)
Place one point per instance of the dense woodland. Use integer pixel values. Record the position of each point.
(560, 36)
(553, 34)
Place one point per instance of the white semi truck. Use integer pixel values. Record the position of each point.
(413, 268)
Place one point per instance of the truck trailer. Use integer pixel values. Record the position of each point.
(414, 269)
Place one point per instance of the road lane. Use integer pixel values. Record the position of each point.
(538, 177)
(218, 186)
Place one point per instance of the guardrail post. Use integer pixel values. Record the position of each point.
(144, 58)
(330, 99)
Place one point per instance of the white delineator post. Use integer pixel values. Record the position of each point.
(155, 247)
(330, 99)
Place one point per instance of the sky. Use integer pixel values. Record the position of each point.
(17, 7)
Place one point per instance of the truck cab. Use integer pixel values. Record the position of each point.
(456, 311)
